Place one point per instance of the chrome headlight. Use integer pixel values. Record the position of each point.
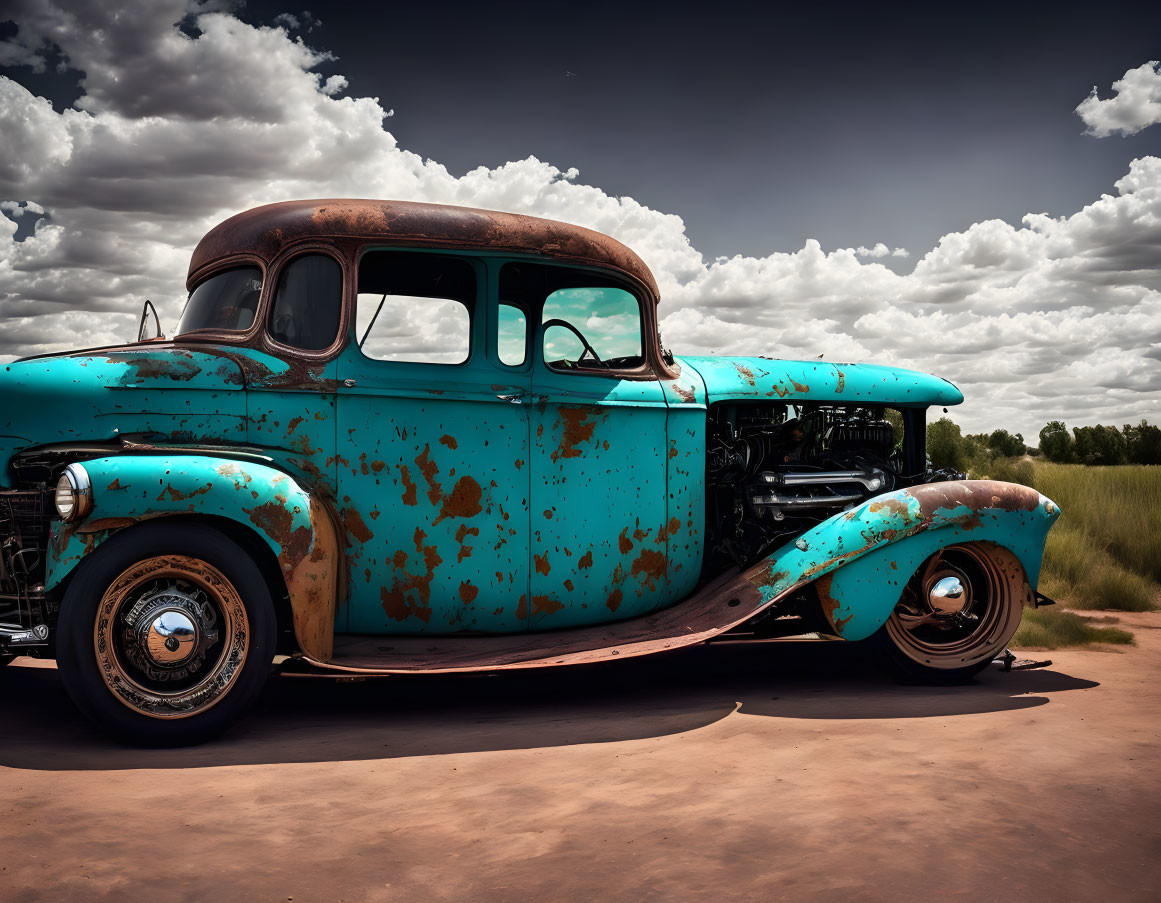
(74, 493)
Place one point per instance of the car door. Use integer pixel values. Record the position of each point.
(431, 447)
(600, 528)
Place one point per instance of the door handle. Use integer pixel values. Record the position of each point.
(349, 383)
(515, 398)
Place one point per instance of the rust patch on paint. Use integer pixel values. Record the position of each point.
(890, 506)
(746, 373)
(462, 533)
(624, 543)
(293, 425)
(575, 428)
(464, 500)
(176, 495)
(828, 602)
(545, 605)
(409, 495)
(585, 561)
(522, 608)
(542, 565)
(568, 585)
(429, 470)
(652, 566)
(410, 594)
(116, 484)
(355, 525)
(614, 600)
(449, 441)
(468, 592)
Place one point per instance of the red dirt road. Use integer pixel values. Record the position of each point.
(726, 773)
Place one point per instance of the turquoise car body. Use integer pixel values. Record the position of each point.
(480, 498)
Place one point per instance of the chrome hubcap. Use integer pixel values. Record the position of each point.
(167, 631)
(949, 595)
(961, 607)
(171, 636)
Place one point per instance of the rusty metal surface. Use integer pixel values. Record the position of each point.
(719, 606)
(265, 231)
(862, 558)
(294, 524)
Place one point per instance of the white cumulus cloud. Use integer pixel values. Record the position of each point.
(180, 126)
(1135, 104)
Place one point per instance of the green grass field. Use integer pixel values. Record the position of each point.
(1103, 553)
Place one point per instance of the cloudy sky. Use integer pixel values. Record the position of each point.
(975, 193)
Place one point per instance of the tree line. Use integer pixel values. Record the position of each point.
(1097, 445)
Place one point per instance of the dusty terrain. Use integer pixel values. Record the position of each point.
(727, 773)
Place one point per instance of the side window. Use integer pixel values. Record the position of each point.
(227, 300)
(591, 328)
(415, 307)
(307, 303)
(512, 342)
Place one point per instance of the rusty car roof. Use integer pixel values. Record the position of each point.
(265, 231)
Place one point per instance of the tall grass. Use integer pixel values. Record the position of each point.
(1118, 509)
(1103, 553)
(1052, 629)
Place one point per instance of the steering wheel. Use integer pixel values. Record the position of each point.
(588, 349)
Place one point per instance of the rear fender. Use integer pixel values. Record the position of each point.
(294, 523)
(861, 559)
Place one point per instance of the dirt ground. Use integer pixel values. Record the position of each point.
(724, 773)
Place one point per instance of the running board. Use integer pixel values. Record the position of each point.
(726, 602)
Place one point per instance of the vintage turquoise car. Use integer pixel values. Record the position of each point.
(397, 438)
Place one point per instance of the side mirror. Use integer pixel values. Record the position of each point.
(143, 335)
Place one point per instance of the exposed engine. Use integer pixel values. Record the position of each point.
(775, 470)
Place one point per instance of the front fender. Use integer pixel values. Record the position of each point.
(294, 523)
(868, 554)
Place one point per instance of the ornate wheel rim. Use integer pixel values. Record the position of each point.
(961, 606)
(171, 636)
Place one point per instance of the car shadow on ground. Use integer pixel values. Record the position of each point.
(321, 720)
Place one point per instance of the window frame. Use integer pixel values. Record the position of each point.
(285, 259)
(646, 370)
(284, 266)
(230, 336)
(479, 303)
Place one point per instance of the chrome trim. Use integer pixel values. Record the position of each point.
(871, 479)
(82, 489)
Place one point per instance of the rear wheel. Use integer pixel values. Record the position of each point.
(956, 614)
(166, 634)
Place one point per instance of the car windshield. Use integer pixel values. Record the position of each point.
(225, 301)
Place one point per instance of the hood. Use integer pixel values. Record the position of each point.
(162, 392)
(751, 378)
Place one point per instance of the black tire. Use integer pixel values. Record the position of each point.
(954, 654)
(109, 662)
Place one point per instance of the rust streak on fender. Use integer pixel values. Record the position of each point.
(356, 526)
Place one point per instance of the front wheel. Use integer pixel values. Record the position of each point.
(166, 634)
(956, 614)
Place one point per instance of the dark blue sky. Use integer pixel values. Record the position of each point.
(849, 123)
